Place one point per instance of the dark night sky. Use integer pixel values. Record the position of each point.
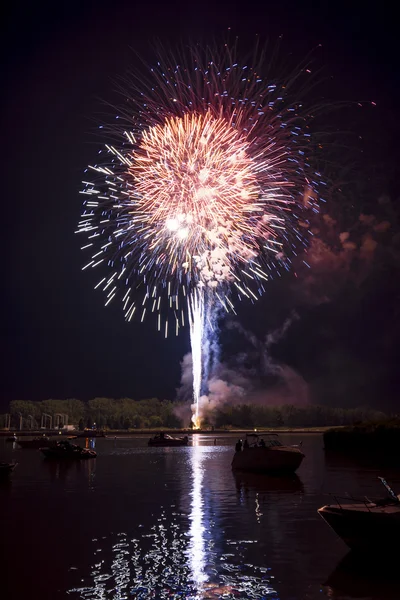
(58, 63)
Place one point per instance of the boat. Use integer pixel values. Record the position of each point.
(163, 439)
(38, 442)
(266, 455)
(66, 451)
(365, 524)
(6, 469)
(12, 438)
(91, 433)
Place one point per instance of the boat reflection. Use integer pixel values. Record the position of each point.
(360, 576)
(361, 459)
(67, 470)
(289, 484)
(5, 485)
(59, 469)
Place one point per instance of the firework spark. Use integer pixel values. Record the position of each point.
(203, 195)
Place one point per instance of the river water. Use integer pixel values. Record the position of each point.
(141, 522)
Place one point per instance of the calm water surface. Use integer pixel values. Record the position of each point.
(141, 522)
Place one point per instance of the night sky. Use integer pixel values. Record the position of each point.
(59, 63)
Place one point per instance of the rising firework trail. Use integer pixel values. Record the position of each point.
(201, 193)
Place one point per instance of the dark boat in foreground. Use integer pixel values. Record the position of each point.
(35, 443)
(12, 438)
(66, 451)
(365, 525)
(266, 456)
(6, 469)
(163, 439)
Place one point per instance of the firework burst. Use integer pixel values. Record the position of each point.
(201, 192)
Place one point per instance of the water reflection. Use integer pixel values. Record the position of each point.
(176, 523)
(196, 531)
(66, 471)
(360, 576)
(58, 470)
(151, 565)
(245, 482)
(90, 443)
(5, 485)
(361, 459)
(181, 551)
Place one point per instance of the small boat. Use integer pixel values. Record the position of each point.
(163, 439)
(6, 469)
(12, 438)
(364, 524)
(66, 451)
(38, 442)
(91, 433)
(266, 455)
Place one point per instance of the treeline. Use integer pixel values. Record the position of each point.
(123, 413)
(126, 413)
(377, 436)
(252, 416)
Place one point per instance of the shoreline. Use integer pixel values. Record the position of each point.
(134, 432)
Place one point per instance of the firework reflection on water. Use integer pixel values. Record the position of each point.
(177, 556)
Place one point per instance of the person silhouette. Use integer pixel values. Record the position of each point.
(238, 446)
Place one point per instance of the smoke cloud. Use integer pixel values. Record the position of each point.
(342, 301)
(251, 376)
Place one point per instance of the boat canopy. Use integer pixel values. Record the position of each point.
(270, 439)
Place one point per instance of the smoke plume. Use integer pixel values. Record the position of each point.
(251, 376)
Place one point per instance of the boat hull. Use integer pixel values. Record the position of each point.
(364, 529)
(279, 459)
(6, 469)
(167, 443)
(52, 454)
